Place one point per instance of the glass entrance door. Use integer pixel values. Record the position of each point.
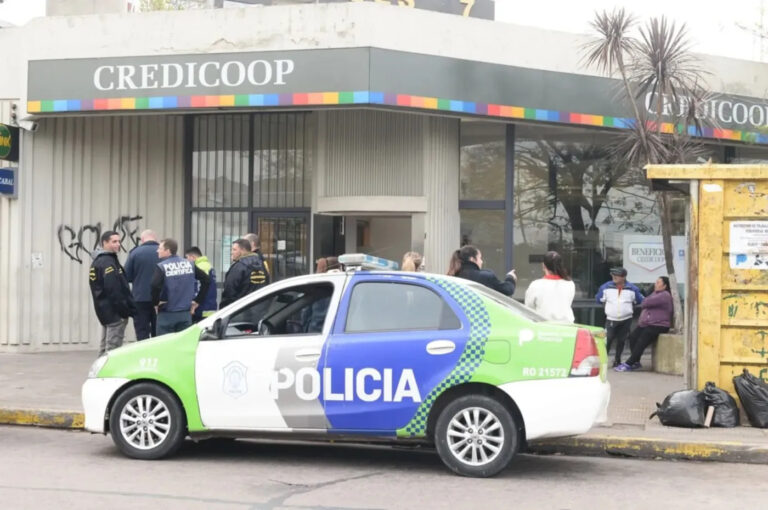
(284, 241)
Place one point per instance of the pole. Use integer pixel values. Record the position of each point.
(690, 349)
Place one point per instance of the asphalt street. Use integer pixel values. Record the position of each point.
(55, 469)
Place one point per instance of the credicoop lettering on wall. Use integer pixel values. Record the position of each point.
(210, 74)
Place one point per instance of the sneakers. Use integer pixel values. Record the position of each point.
(623, 367)
(616, 364)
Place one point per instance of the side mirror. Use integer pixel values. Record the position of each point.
(213, 332)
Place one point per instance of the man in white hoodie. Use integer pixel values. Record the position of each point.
(620, 298)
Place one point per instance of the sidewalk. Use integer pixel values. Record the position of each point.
(44, 389)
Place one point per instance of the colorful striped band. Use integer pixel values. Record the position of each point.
(367, 97)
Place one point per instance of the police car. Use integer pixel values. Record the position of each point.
(371, 353)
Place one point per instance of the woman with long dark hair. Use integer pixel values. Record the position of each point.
(467, 263)
(655, 319)
(552, 295)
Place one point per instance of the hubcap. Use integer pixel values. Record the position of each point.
(475, 436)
(145, 422)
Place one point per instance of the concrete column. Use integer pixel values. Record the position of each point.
(350, 234)
(441, 188)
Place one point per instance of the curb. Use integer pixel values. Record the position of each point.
(654, 448)
(39, 418)
(589, 445)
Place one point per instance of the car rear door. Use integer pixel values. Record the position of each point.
(395, 339)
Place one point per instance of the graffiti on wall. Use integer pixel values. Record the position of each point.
(80, 243)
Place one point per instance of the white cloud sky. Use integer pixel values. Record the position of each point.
(713, 25)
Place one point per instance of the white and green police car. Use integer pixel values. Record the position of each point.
(361, 355)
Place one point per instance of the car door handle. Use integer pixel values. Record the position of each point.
(437, 347)
(307, 354)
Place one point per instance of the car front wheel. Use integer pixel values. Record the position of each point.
(147, 422)
(476, 436)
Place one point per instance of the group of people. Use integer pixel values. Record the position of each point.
(552, 297)
(162, 291)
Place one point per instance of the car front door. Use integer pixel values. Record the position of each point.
(262, 373)
(395, 339)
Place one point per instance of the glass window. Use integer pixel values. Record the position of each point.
(282, 167)
(483, 161)
(241, 165)
(573, 197)
(214, 232)
(220, 161)
(751, 155)
(383, 306)
(292, 311)
(484, 229)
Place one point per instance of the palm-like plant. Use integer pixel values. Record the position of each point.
(658, 65)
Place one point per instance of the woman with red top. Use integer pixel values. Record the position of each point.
(552, 295)
(655, 319)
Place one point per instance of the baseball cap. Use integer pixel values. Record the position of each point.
(618, 271)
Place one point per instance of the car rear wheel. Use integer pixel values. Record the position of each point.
(147, 422)
(476, 435)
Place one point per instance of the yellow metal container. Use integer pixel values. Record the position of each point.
(727, 319)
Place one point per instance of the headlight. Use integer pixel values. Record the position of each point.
(97, 366)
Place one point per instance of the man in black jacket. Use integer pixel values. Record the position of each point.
(256, 250)
(246, 274)
(471, 260)
(111, 293)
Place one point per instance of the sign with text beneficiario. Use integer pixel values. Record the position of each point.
(644, 258)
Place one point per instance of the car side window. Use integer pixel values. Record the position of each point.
(391, 306)
(292, 311)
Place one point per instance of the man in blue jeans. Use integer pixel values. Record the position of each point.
(173, 289)
(139, 268)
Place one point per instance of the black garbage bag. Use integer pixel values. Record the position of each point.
(753, 393)
(726, 409)
(685, 408)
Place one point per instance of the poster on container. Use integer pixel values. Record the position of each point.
(644, 258)
(748, 247)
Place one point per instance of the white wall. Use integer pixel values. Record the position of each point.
(80, 172)
(332, 25)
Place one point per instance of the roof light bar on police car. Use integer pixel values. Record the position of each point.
(358, 261)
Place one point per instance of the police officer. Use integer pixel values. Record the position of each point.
(246, 275)
(111, 293)
(173, 289)
(208, 306)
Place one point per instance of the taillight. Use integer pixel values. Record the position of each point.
(586, 359)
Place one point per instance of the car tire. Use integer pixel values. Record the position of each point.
(476, 436)
(147, 422)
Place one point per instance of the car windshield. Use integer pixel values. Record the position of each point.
(505, 301)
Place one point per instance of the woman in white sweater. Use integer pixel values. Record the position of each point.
(552, 295)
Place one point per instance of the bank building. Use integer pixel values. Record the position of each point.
(327, 127)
